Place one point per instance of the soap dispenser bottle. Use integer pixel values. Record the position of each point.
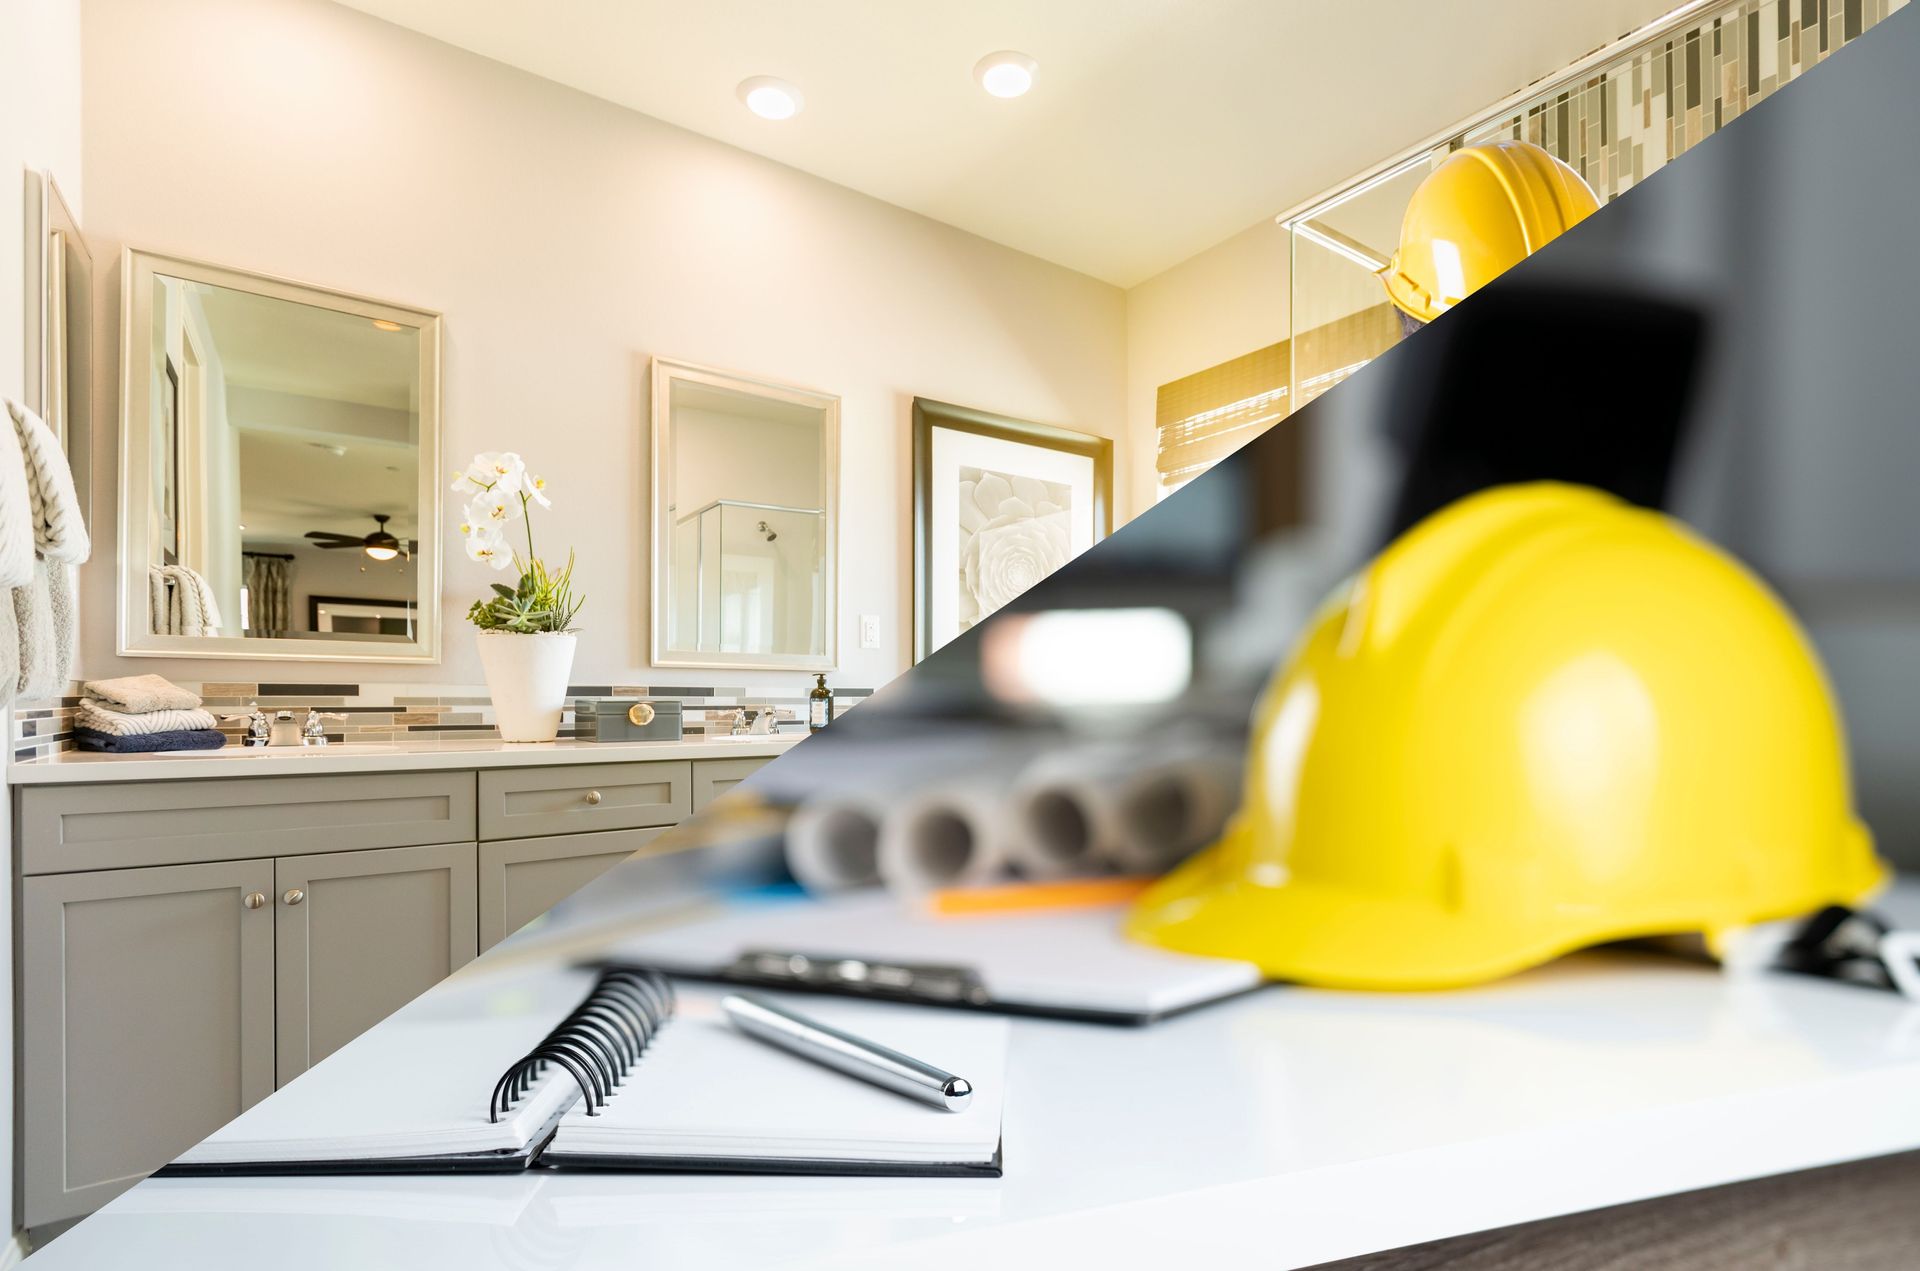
(819, 704)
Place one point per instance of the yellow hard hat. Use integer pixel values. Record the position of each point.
(1480, 213)
(1542, 719)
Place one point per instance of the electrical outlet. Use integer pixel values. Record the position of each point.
(869, 630)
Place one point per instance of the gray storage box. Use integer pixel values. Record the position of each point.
(627, 719)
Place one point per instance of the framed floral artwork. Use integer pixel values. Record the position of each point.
(998, 504)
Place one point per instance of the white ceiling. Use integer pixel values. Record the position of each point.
(1155, 128)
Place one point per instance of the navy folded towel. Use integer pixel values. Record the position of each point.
(150, 743)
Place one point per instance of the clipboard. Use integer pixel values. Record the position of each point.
(1067, 964)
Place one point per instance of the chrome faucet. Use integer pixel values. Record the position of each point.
(285, 730)
(765, 718)
(739, 728)
(314, 731)
(259, 727)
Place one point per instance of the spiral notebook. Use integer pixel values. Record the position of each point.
(631, 1080)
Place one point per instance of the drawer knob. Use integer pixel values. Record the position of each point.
(294, 896)
(255, 899)
(593, 796)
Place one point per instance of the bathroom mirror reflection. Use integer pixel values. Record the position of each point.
(744, 521)
(280, 445)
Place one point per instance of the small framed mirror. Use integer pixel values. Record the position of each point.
(745, 521)
(280, 469)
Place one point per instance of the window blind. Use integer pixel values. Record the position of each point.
(1206, 416)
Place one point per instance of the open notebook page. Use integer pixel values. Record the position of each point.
(404, 1089)
(1070, 958)
(704, 1090)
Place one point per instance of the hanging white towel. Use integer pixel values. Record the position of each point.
(46, 619)
(39, 640)
(16, 510)
(196, 612)
(159, 605)
(59, 531)
(9, 649)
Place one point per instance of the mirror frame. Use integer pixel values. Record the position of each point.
(51, 223)
(137, 271)
(661, 373)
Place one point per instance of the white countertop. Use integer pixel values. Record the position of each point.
(1287, 1127)
(399, 756)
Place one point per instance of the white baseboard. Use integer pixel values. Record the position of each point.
(13, 1251)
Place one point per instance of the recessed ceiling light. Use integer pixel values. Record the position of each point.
(1006, 73)
(771, 98)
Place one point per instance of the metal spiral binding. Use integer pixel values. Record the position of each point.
(598, 1044)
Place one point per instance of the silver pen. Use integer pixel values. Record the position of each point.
(855, 1056)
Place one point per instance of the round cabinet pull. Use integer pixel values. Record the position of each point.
(294, 896)
(593, 796)
(255, 899)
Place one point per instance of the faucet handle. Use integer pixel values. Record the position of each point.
(314, 730)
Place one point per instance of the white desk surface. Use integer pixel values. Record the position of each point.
(1284, 1128)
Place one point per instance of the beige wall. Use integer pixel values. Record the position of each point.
(566, 240)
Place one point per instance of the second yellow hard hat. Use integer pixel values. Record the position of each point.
(1481, 212)
(1542, 719)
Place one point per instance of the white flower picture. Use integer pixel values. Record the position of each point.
(999, 504)
(1014, 531)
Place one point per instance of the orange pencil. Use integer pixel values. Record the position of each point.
(1066, 893)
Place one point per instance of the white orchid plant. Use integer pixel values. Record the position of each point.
(503, 494)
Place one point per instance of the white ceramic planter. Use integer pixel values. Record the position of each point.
(527, 679)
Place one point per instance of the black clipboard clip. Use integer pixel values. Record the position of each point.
(923, 982)
(1854, 947)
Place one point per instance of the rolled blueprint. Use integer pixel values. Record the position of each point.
(946, 836)
(1135, 808)
(833, 843)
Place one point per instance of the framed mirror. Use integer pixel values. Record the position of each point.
(280, 468)
(60, 335)
(745, 521)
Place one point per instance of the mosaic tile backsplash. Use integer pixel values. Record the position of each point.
(1632, 118)
(419, 712)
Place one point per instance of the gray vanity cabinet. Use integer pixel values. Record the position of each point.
(148, 1000)
(358, 936)
(520, 879)
(714, 777)
(184, 946)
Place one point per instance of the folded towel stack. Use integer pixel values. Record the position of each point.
(143, 714)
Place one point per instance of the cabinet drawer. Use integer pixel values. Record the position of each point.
(522, 879)
(714, 777)
(69, 828)
(579, 798)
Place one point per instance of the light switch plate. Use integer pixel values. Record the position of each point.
(869, 630)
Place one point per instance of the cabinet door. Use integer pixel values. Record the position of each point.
(520, 879)
(361, 934)
(714, 777)
(147, 1022)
